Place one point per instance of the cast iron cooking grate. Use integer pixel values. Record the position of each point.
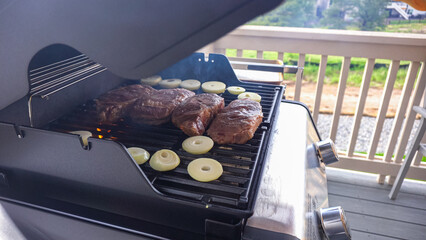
(241, 162)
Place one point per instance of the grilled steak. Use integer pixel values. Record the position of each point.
(237, 122)
(195, 113)
(156, 108)
(115, 104)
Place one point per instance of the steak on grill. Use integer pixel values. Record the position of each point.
(157, 107)
(195, 113)
(115, 104)
(237, 122)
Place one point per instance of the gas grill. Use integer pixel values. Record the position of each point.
(52, 185)
(240, 161)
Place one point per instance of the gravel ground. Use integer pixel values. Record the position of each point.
(366, 132)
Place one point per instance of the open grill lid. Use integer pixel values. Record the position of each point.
(133, 39)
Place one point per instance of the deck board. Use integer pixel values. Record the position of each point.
(371, 214)
(370, 236)
(383, 210)
(385, 227)
(376, 195)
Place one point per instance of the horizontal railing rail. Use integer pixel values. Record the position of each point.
(349, 44)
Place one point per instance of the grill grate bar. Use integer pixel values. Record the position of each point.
(55, 73)
(56, 64)
(204, 187)
(224, 178)
(57, 76)
(242, 172)
(229, 160)
(178, 192)
(199, 197)
(67, 80)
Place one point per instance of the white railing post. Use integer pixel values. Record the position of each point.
(368, 71)
(298, 88)
(340, 95)
(384, 104)
(208, 49)
(259, 54)
(320, 84)
(400, 114)
(239, 52)
(280, 56)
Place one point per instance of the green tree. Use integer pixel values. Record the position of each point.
(369, 15)
(334, 16)
(293, 13)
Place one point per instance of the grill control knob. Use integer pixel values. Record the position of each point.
(334, 223)
(326, 151)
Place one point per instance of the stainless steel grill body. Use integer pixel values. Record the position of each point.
(294, 184)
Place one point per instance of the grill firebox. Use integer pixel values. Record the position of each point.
(240, 161)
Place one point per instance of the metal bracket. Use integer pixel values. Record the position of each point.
(18, 132)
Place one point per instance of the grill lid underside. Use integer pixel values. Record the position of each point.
(132, 39)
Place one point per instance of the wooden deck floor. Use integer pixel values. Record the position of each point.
(371, 214)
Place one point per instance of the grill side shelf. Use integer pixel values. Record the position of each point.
(61, 156)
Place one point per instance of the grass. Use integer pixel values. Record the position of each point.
(334, 63)
(413, 26)
(399, 22)
(407, 28)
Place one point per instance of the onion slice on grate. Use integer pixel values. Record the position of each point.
(190, 84)
(205, 169)
(170, 83)
(151, 81)
(164, 160)
(213, 87)
(235, 90)
(250, 95)
(140, 155)
(197, 144)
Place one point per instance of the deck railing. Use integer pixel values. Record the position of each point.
(348, 44)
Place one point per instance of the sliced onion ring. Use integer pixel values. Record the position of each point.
(205, 169)
(164, 160)
(197, 144)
